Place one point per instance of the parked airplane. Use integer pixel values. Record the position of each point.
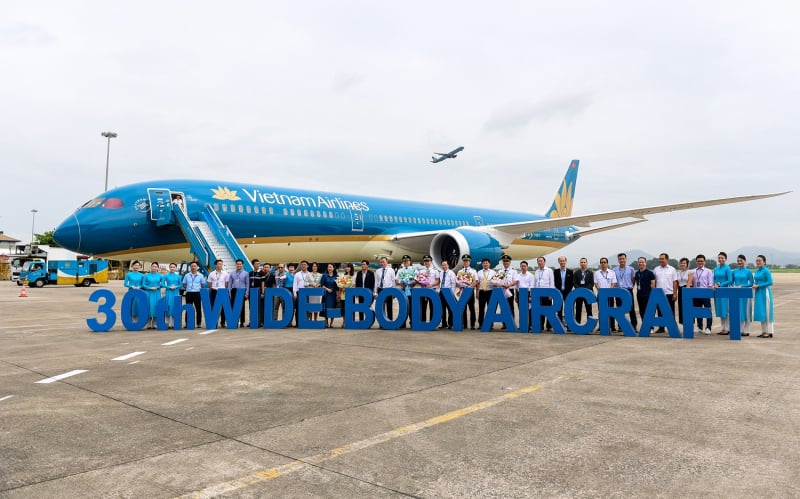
(168, 220)
(446, 155)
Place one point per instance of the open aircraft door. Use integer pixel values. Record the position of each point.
(358, 220)
(160, 206)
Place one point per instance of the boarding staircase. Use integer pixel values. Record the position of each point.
(210, 239)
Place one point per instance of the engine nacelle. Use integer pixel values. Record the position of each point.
(451, 244)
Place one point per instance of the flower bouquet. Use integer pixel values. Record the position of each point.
(423, 277)
(344, 281)
(499, 280)
(464, 279)
(407, 276)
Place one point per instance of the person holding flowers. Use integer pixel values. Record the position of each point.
(427, 277)
(328, 281)
(485, 285)
(406, 278)
(466, 278)
(344, 281)
(447, 280)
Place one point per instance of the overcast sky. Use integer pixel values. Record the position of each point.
(662, 102)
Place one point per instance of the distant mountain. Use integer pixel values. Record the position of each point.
(633, 255)
(774, 256)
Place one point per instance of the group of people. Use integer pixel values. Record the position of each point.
(639, 282)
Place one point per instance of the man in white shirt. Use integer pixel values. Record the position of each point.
(667, 280)
(606, 278)
(484, 286)
(219, 279)
(433, 276)
(466, 260)
(525, 280)
(384, 278)
(509, 281)
(404, 279)
(543, 278)
(298, 284)
(447, 280)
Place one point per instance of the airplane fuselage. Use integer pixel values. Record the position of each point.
(282, 224)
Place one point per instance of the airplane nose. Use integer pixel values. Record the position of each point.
(68, 234)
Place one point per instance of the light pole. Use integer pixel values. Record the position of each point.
(33, 224)
(109, 136)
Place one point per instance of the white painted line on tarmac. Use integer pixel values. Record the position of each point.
(128, 356)
(134, 362)
(209, 331)
(174, 342)
(5, 398)
(62, 376)
(190, 348)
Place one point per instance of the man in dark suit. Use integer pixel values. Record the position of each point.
(365, 278)
(584, 278)
(564, 281)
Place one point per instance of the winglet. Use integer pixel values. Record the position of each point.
(562, 202)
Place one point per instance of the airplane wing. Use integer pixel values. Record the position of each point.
(445, 154)
(507, 233)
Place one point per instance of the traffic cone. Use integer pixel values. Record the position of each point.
(23, 294)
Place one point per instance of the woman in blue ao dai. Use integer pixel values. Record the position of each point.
(152, 284)
(133, 280)
(762, 302)
(172, 284)
(743, 278)
(723, 278)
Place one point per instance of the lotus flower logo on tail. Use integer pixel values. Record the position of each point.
(562, 203)
(225, 194)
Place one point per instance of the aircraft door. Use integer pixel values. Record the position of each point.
(478, 219)
(160, 206)
(357, 218)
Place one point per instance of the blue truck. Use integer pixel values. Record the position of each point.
(76, 272)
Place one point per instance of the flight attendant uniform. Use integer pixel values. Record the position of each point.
(152, 283)
(763, 311)
(133, 280)
(723, 278)
(743, 278)
(172, 285)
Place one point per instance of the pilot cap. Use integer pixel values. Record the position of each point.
(406, 257)
(465, 257)
(506, 258)
(427, 258)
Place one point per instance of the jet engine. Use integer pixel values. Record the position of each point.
(450, 245)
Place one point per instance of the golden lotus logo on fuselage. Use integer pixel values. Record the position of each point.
(225, 194)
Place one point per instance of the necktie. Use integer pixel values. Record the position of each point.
(383, 273)
(484, 280)
(563, 278)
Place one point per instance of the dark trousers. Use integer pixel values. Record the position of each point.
(544, 301)
(193, 298)
(561, 310)
(471, 307)
(511, 299)
(642, 299)
(213, 302)
(680, 304)
(483, 300)
(427, 306)
(255, 294)
(671, 305)
(234, 293)
(580, 306)
(447, 314)
(702, 303)
(631, 312)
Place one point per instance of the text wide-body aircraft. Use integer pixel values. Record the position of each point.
(446, 155)
(171, 220)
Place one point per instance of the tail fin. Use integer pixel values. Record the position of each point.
(562, 202)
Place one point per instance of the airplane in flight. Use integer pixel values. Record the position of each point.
(446, 155)
(175, 220)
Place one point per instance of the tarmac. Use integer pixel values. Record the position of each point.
(339, 413)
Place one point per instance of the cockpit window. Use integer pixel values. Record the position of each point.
(94, 203)
(113, 203)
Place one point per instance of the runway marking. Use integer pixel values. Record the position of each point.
(62, 376)
(190, 348)
(307, 462)
(134, 362)
(174, 342)
(128, 356)
(5, 398)
(209, 331)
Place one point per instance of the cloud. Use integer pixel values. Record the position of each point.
(344, 82)
(515, 116)
(24, 35)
